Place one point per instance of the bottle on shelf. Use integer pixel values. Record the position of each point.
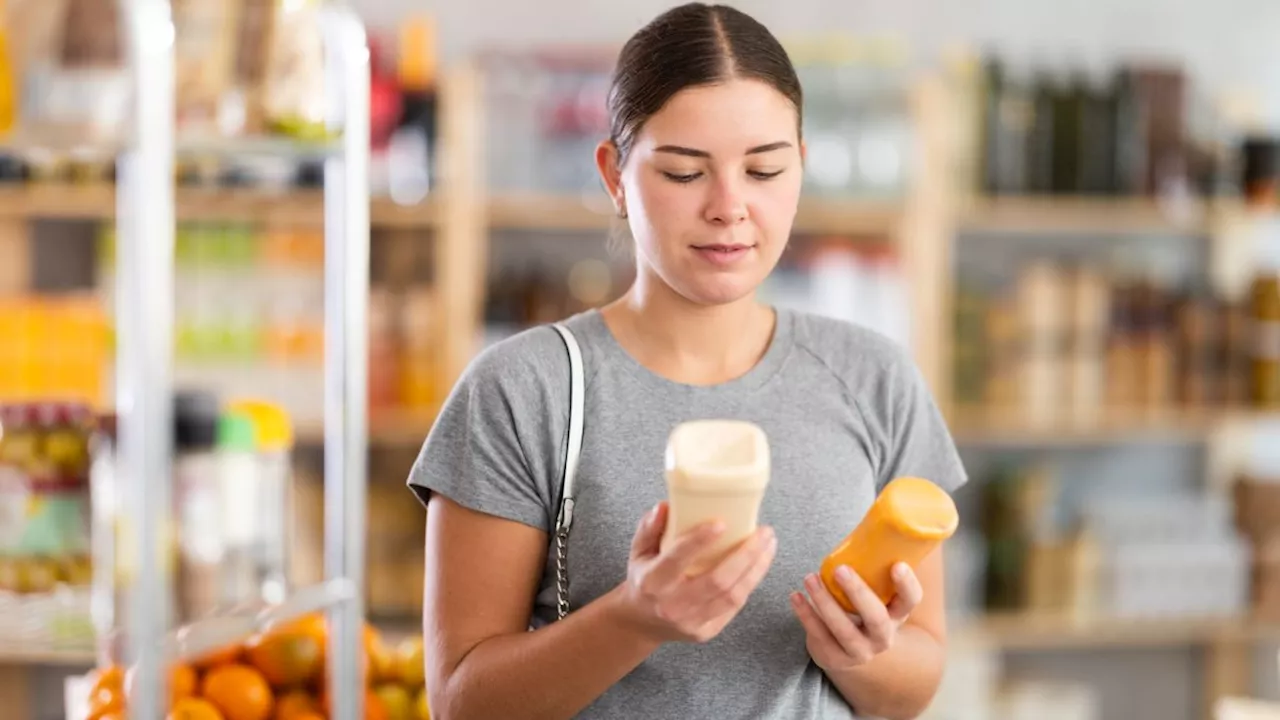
(1261, 184)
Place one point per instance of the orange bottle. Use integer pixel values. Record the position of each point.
(905, 523)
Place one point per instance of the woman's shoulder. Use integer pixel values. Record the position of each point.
(528, 354)
(848, 349)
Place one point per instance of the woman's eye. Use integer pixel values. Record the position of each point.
(682, 178)
(761, 175)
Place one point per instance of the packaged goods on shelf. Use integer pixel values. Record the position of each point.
(1257, 515)
(1169, 556)
(53, 347)
(227, 538)
(1135, 129)
(1082, 342)
(545, 114)
(858, 124)
(45, 525)
(864, 285)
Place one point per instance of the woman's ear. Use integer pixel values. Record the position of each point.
(611, 174)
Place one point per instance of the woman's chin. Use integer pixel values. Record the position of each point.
(717, 291)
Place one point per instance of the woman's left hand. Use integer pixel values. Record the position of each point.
(838, 640)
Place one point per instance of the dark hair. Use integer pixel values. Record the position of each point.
(689, 45)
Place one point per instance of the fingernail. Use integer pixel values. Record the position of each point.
(900, 571)
(844, 573)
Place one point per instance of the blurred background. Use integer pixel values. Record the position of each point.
(1067, 211)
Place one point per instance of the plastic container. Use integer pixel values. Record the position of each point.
(273, 442)
(910, 518)
(715, 470)
(239, 482)
(199, 507)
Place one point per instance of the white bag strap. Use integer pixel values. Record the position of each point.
(564, 518)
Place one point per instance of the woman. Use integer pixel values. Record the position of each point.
(704, 163)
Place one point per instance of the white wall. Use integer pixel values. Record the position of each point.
(1228, 45)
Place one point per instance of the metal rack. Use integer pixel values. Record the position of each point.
(145, 256)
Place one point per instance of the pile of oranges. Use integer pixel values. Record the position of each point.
(277, 676)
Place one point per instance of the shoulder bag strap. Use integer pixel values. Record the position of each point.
(564, 519)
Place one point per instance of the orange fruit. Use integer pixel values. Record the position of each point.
(295, 705)
(191, 708)
(105, 700)
(374, 709)
(287, 656)
(182, 682)
(239, 692)
(110, 677)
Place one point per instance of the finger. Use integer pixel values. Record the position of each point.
(683, 550)
(876, 623)
(730, 583)
(821, 641)
(909, 592)
(850, 638)
(649, 532)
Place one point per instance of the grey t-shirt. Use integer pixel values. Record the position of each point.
(844, 409)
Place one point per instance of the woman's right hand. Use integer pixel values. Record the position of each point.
(667, 602)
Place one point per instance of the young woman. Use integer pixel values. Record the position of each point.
(704, 161)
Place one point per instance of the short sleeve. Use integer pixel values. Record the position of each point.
(919, 442)
(483, 451)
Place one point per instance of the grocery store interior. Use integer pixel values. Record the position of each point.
(1069, 213)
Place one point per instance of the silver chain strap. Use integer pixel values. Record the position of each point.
(564, 520)
(562, 574)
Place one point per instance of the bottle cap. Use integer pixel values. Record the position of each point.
(195, 420)
(236, 433)
(272, 427)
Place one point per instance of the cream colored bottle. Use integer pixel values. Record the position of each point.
(715, 470)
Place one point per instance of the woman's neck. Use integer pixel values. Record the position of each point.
(686, 342)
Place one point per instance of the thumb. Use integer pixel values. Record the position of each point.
(649, 533)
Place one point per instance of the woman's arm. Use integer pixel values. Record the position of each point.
(483, 573)
(890, 666)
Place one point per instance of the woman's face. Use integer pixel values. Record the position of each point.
(711, 187)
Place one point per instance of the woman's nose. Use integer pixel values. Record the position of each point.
(727, 205)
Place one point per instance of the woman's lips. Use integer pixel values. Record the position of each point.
(723, 255)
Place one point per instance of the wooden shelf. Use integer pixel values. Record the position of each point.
(1019, 631)
(986, 426)
(595, 213)
(293, 207)
(26, 654)
(1084, 215)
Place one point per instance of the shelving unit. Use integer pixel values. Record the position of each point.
(923, 225)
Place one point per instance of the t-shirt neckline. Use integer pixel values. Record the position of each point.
(612, 352)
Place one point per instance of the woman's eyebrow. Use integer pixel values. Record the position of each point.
(693, 152)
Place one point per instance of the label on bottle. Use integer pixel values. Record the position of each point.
(1266, 344)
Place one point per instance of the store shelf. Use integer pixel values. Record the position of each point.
(32, 654)
(1084, 215)
(595, 213)
(70, 141)
(292, 207)
(1018, 631)
(987, 426)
